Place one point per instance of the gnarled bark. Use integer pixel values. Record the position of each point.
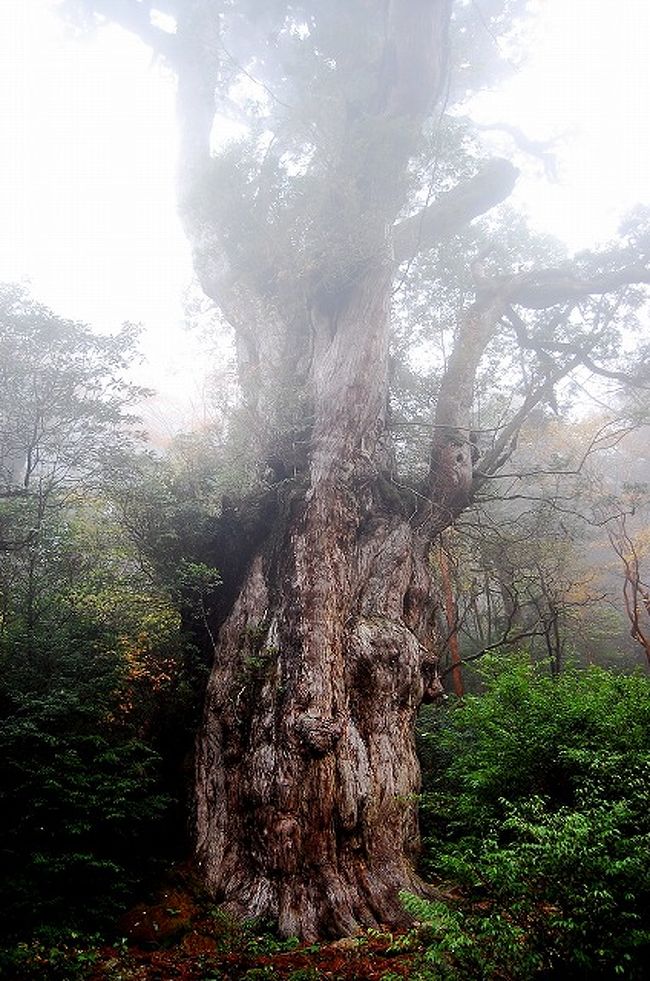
(307, 766)
(307, 773)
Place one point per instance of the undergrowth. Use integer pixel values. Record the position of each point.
(536, 807)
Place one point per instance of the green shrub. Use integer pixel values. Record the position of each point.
(78, 791)
(469, 943)
(538, 807)
(72, 959)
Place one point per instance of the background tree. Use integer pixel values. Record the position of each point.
(524, 559)
(306, 763)
(89, 643)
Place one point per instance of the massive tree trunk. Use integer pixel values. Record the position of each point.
(307, 773)
(307, 776)
(307, 767)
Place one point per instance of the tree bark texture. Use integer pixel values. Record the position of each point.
(307, 775)
(307, 772)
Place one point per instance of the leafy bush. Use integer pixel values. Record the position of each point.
(71, 959)
(469, 943)
(537, 805)
(78, 791)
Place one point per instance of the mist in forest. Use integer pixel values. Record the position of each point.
(324, 489)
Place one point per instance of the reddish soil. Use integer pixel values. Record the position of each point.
(369, 962)
(177, 939)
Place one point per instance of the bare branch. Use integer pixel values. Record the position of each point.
(503, 641)
(543, 346)
(606, 437)
(636, 595)
(505, 444)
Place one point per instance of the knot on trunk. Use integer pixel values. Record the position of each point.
(319, 735)
(289, 844)
(452, 467)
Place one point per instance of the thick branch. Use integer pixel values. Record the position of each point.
(133, 16)
(452, 478)
(452, 453)
(548, 287)
(456, 394)
(638, 381)
(455, 209)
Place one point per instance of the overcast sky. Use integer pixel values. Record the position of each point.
(88, 144)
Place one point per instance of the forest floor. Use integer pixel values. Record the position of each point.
(177, 937)
(339, 961)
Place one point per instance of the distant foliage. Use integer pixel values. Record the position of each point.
(89, 644)
(537, 807)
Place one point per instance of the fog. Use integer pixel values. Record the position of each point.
(87, 165)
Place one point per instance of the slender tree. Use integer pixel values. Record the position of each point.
(306, 772)
(636, 592)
